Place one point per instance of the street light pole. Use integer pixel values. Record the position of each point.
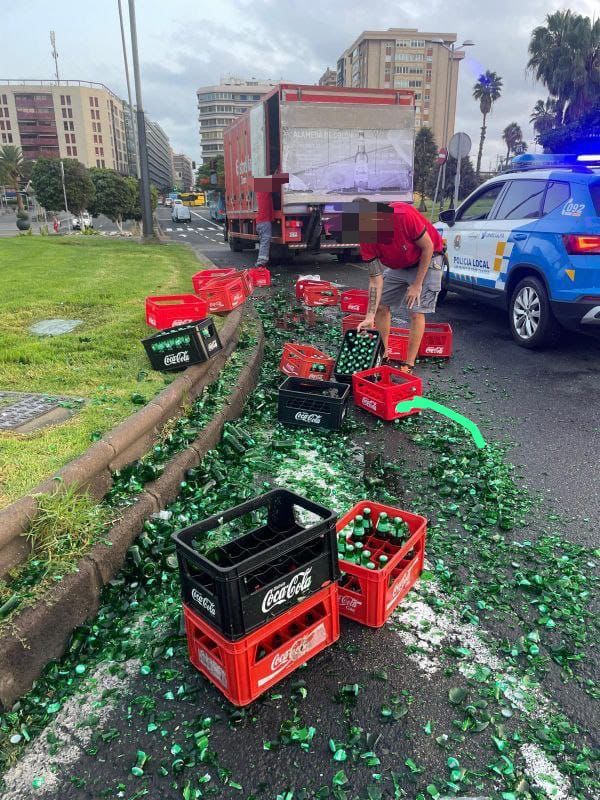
(141, 130)
(131, 117)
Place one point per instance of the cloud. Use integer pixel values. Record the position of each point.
(186, 46)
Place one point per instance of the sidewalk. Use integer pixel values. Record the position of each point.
(8, 223)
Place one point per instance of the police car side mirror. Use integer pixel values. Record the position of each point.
(448, 216)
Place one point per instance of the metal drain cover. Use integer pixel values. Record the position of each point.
(22, 412)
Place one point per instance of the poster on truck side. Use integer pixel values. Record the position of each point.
(337, 152)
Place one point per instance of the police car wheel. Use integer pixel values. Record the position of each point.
(532, 323)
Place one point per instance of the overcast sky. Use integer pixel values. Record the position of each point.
(184, 45)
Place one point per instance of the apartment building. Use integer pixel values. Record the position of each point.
(406, 58)
(219, 105)
(183, 173)
(328, 78)
(70, 119)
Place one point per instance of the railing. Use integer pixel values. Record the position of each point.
(61, 83)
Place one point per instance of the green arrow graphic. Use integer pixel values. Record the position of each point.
(422, 402)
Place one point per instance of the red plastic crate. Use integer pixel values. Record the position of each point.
(436, 343)
(381, 398)
(224, 294)
(301, 283)
(245, 669)
(355, 300)
(398, 344)
(297, 360)
(437, 340)
(370, 596)
(201, 278)
(260, 276)
(248, 282)
(350, 322)
(321, 294)
(170, 310)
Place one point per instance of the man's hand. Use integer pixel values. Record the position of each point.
(367, 323)
(413, 295)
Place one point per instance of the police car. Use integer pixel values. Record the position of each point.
(529, 240)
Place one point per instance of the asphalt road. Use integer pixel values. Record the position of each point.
(544, 406)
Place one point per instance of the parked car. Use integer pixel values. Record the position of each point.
(180, 213)
(168, 202)
(83, 221)
(529, 241)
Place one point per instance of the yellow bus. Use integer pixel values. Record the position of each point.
(192, 198)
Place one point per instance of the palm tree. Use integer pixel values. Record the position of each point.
(513, 136)
(564, 55)
(544, 116)
(487, 90)
(11, 166)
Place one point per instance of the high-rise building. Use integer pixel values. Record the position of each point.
(160, 163)
(183, 174)
(405, 58)
(328, 78)
(219, 105)
(70, 119)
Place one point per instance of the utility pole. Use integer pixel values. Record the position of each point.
(54, 55)
(131, 116)
(141, 130)
(64, 188)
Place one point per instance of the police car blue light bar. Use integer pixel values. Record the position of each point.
(554, 160)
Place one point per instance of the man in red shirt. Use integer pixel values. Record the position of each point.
(411, 249)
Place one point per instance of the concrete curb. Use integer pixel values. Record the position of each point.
(126, 442)
(41, 632)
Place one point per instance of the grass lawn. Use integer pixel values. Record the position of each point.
(103, 283)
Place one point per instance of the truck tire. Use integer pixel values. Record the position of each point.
(343, 256)
(532, 323)
(236, 245)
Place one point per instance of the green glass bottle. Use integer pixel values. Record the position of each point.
(383, 526)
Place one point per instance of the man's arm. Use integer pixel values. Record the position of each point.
(413, 293)
(374, 297)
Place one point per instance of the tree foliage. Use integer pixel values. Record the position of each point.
(582, 135)
(513, 139)
(544, 116)
(12, 169)
(468, 180)
(486, 91)
(112, 196)
(564, 55)
(47, 183)
(203, 173)
(425, 154)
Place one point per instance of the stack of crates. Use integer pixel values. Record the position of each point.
(258, 606)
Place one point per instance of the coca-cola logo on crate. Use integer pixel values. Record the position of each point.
(403, 583)
(212, 346)
(304, 416)
(434, 350)
(176, 358)
(284, 591)
(204, 602)
(299, 649)
(372, 404)
(350, 604)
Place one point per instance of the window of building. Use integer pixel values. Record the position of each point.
(417, 43)
(102, 162)
(68, 151)
(62, 100)
(414, 84)
(101, 151)
(68, 99)
(96, 151)
(99, 128)
(4, 100)
(74, 151)
(64, 113)
(100, 139)
(96, 102)
(71, 126)
(428, 75)
(91, 101)
(95, 139)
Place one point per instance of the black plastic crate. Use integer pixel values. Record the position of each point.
(289, 553)
(179, 347)
(351, 342)
(313, 404)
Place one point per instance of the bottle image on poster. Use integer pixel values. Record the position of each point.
(361, 165)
